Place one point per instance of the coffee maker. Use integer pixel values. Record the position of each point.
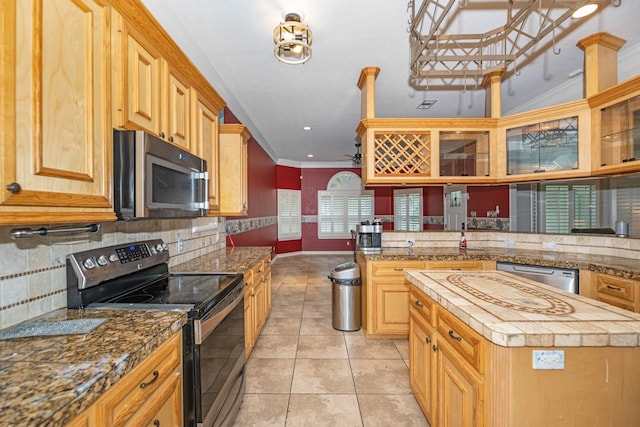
(369, 236)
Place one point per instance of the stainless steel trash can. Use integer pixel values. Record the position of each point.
(346, 297)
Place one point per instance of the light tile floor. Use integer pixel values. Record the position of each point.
(302, 372)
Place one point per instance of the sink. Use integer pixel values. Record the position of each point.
(62, 327)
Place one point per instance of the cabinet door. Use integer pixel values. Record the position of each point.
(260, 303)
(205, 140)
(136, 80)
(55, 155)
(391, 305)
(421, 368)
(249, 336)
(233, 170)
(164, 408)
(460, 391)
(176, 105)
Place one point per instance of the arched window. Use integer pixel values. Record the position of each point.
(343, 205)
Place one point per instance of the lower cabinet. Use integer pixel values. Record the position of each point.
(618, 291)
(446, 365)
(150, 395)
(386, 292)
(257, 301)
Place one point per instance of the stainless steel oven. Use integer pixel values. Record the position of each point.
(154, 179)
(135, 276)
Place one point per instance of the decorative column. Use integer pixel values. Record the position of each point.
(491, 84)
(600, 62)
(367, 85)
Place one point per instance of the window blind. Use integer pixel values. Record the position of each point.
(407, 209)
(340, 211)
(289, 215)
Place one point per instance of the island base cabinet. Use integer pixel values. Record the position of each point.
(420, 369)
(599, 386)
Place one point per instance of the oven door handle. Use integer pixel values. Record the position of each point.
(204, 327)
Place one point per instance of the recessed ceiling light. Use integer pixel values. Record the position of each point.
(306, 128)
(309, 155)
(426, 104)
(585, 10)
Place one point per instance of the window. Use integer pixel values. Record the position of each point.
(568, 206)
(407, 209)
(339, 211)
(289, 215)
(628, 203)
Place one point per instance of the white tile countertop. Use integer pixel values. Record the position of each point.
(512, 311)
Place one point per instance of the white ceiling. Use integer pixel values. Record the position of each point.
(231, 42)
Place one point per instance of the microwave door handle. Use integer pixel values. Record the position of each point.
(203, 197)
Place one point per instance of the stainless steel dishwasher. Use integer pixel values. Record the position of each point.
(561, 278)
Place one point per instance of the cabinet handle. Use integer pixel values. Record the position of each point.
(161, 135)
(156, 423)
(454, 337)
(155, 374)
(419, 304)
(428, 340)
(398, 269)
(14, 188)
(170, 139)
(614, 288)
(435, 348)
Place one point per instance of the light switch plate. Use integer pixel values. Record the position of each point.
(548, 359)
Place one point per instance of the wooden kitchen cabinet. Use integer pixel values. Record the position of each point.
(56, 132)
(204, 131)
(233, 170)
(447, 363)
(616, 128)
(149, 395)
(387, 298)
(149, 93)
(385, 292)
(257, 300)
(618, 291)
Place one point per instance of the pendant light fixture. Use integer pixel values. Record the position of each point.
(292, 39)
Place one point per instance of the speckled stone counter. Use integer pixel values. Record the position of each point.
(229, 260)
(621, 267)
(512, 311)
(46, 381)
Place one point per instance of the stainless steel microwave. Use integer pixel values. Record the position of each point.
(155, 179)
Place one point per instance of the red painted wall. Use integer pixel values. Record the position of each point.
(485, 198)
(262, 196)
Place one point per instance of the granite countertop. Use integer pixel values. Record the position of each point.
(616, 266)
(512, 311)
(228, 260)
(48, 380)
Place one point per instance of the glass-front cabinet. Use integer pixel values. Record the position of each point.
(548, 146)
(620, 132)
(464, 153)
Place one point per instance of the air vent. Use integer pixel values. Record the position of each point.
(426, 104)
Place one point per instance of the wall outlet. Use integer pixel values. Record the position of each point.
(548, 245)
(180, 246)
(410, 242)
(510, 243)
(548, 359)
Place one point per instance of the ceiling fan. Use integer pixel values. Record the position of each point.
(356, 159)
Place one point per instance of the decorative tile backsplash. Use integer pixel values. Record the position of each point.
(33, 273)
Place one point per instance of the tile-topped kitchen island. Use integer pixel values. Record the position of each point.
(491, 348)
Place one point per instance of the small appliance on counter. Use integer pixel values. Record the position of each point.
(369, 236)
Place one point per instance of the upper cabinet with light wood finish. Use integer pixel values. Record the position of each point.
(149, 93)
(204, 133)
(154, 81)
(233, 170)
(54, 139)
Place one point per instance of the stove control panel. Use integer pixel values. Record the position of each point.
(92, 267)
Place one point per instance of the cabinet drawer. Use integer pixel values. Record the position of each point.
(395, 268)
(127, 397)
(618, 287)
(468, 343)
(423, 304)
(456, 265)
